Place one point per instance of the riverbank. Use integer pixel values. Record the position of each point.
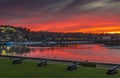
(46, 43)
(105, 42)
(59, 60)
(29, 69)
(108, 42)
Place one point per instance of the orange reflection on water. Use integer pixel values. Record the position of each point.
(89, 52)
(76, 52)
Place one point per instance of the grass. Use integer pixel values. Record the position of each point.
(30, 70)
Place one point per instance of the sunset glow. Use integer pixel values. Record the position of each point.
(116, 32)
(94, 16)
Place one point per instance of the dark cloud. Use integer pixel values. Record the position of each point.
(25, 3)
(63, 6)
(56, 9)
(37, 4)
(114, 0)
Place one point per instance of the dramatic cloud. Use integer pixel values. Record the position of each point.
(62, 15)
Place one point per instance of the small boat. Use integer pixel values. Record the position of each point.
(9, 43)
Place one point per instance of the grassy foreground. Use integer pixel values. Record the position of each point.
(30, 70)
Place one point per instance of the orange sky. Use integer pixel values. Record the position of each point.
(96, 24)
(94, 16)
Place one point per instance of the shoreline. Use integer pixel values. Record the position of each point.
(109, 43)
(56, 61)
(47, 42)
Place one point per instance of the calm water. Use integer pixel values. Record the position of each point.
(89, 52)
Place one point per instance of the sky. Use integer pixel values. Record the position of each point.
(91, 16)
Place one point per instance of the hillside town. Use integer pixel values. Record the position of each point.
(11, 33)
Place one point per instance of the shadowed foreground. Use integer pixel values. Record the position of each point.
(30, 70)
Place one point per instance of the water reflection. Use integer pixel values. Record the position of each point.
(14, 50)
(90, 52)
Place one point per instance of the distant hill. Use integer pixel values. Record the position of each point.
(10, 33)
(7, 28)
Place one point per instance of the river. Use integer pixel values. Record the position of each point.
(77, 52)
